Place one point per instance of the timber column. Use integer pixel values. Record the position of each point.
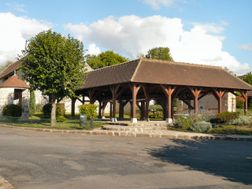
(114, 91)
(168, 90)
(134, 89)
(219, 94)
(196, 93)
(245, 97)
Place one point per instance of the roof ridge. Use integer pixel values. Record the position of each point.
(139, 63)
(183, 63)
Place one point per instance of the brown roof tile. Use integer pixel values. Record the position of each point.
(110, 75)
(14, 82)
(11, 68)
(164, 72)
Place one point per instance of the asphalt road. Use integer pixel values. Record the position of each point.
(38, 160)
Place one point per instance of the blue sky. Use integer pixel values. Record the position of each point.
(222, 24)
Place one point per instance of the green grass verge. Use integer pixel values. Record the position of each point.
(38, 122)
(232, 129)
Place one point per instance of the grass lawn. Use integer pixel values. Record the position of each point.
(232, 129)
(38, 122)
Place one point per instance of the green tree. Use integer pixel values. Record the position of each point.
(106, 58)
(247, 78)
(160, 53)
(54, 64)
(32, 103)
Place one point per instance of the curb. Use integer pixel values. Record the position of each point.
(4, 184)
(171, 135)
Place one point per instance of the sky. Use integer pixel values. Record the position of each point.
(212, 32)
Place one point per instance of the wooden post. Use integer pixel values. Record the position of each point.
(91, 95)
(245, 97)
(143, 110)
(121, 110)
(100, 110)
(147, 102)
(110, 110)
(219, 94)
(73, 100)
(196, 93)
(134, 90)
(168, 90)
(83, 99)
(114, 90)
(104, 104)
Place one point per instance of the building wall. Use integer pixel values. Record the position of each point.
(7, 97)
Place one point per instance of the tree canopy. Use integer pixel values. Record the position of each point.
(160, 53)
(247, 77)
(54, 64)
(106, 58)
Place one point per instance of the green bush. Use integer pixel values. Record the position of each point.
(61, 118)
(156, 112)
(89, 110)
(226, 117)
(39, 108)
(47, 108)
(201, 126)
(239, 103)
(32, 103)
(242, 120)
(12, 110)
(60, 109)
(183, 122)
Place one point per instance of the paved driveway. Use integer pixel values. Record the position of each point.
(32, 160)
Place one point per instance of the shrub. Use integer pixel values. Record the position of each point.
(183, 122)
(156, 112)
(60, 109)
(12, 110)
(47, 108)
(201, 126)
(39, 108)
(239, 103)
(61, 119)
(226, 117)
(32, 104)
(242, 120)
(89, 110)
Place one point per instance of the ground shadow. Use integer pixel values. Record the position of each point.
(229, 159)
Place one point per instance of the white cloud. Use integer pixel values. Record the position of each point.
(246, 47)
(93, 49)
(14, 33)
(156, 4)
(133, 35)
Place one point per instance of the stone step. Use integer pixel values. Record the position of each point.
(139, 123)
(133, 128)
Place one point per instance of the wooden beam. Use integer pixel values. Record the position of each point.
(168, 91)
(135, 88)
(114, 90)
(244, 95)
(219, 95)
(196, 92)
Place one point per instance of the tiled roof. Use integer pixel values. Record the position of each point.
(11, 68)
(164, 72)
(14, 82)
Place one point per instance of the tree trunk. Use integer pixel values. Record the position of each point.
(53, 113)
